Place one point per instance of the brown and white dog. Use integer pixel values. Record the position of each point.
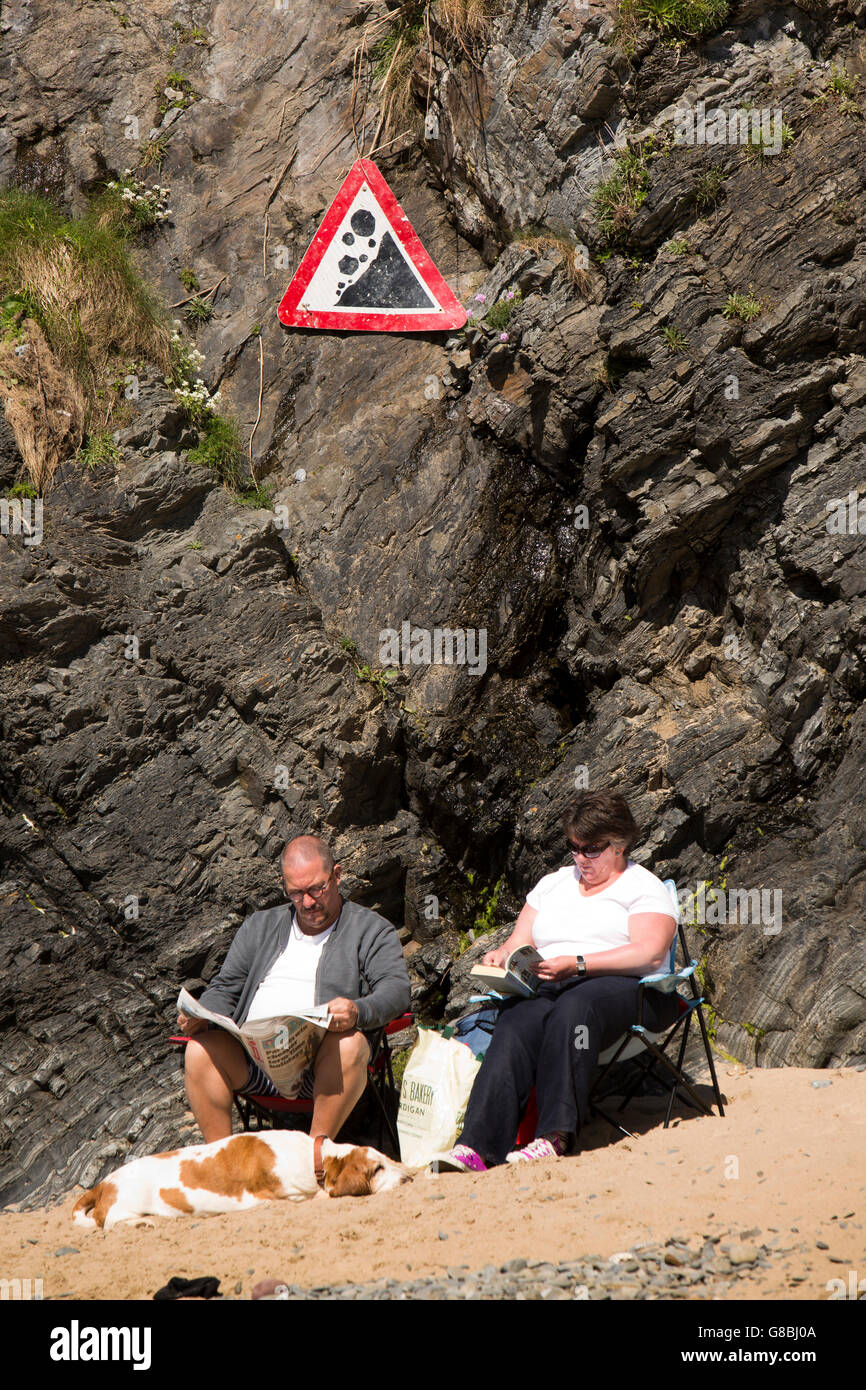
(234, 1174)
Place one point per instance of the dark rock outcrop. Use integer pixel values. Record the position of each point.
(630, 491)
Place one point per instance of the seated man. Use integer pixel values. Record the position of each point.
(323, 950)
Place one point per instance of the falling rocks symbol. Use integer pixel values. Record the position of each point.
(367, 269)
(389, 281)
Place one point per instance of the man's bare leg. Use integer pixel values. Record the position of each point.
(216, 1066)
(340, 1072)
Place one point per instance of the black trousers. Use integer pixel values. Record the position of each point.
(552, 1042)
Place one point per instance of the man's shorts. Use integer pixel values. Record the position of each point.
(258, 1083)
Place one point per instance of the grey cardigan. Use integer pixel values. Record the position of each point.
(361, 960)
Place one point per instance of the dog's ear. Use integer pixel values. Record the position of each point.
(349, 1175)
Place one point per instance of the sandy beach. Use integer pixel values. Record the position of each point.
(784, 1167)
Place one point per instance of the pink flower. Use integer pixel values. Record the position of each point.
(510, 294)
(503, 337)
(482, 298)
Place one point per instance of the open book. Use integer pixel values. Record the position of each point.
(283, 1047)
(514, 977)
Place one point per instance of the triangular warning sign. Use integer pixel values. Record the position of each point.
(366, 268)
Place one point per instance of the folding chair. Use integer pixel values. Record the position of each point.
(638, 1041)
(275, 1112)
(652, 1047)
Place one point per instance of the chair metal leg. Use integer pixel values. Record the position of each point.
(673, 1095)
(595, 1108)
(709, 1053)
(612, 1063)
(678, 1078)
(648, 1063)
(383, 1088)
(678, 1085)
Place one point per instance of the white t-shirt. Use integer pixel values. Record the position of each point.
(290, 984)
(570, 924)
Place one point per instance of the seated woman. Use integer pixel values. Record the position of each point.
(599, 924)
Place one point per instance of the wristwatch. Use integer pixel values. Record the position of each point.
(581, 967)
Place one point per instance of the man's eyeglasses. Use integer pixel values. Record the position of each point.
(588, 851)
(317, 891)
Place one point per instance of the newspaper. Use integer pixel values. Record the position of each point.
(283, 1047)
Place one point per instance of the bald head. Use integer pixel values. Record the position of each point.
(305, 851)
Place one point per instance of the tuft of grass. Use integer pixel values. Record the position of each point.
(843, 89)
(257, 496)
(130, 200)
(759, 148)
(486, 904)
(189, 279)
(541, 239)
(686, 19)
(188, 34)
(677, 246)
(392, 54)
(468, 21)
(707, 191)
(178, 82)
(743, 306)
(14, 309)
(393, 58)
(380, 678)
(618, 197)
(76, 277)
(220, 448)
(199, 310)
(22, 489)
(153, 152)
(97, 449)
(676, 341)
(499, 314)
(74, 280)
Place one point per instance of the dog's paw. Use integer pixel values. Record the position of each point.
(141, 1221)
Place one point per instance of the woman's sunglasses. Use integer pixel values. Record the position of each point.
(587, 851)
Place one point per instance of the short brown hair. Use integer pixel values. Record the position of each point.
(598, 816)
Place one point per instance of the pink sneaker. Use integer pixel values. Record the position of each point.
(549, 1146)
(460, 1159)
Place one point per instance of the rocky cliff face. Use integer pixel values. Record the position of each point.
(625, 479)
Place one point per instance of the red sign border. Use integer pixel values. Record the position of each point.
(364, 170)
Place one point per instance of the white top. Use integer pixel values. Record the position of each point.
(570, 924)
(290, 984)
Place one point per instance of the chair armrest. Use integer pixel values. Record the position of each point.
(667, 981)
(398, 1025)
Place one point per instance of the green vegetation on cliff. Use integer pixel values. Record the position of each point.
(76, 279)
